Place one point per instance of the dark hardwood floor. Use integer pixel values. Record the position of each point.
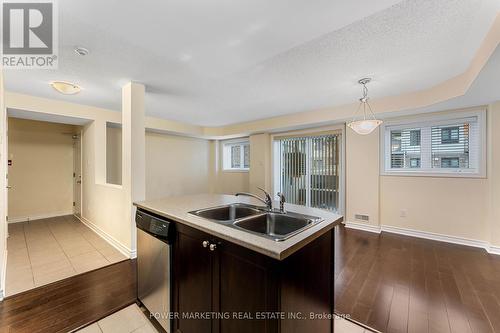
(389, 282)
(396, 283)
(68, 304)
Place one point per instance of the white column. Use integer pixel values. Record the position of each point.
(133, 150)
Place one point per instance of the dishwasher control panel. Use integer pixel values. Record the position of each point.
(154, 225)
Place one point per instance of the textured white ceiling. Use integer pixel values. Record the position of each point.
(223, 61)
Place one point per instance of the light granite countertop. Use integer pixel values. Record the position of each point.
(178, 208)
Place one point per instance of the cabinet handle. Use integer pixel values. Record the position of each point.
(205, 243)
(213, 247)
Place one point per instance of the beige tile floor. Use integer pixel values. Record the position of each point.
(132, 320)
(48, 250)
(346, 326)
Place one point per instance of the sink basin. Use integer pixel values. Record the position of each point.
(227, 213)
(277, 226)
(257, 220)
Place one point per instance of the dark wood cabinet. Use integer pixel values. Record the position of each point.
(193, 280)
(228, 288)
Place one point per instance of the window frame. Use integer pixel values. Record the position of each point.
(428, 121)
(333, 129)
(226, 155)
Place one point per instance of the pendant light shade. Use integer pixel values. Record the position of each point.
(365, 126)
(368, 123)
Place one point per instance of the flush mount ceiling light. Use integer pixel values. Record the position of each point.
(66, 88)
(81, 51)
(369, 123)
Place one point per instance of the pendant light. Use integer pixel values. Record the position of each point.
(369, 123)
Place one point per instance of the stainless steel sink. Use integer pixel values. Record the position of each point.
(227, 213)
(258, 220)
(277, 226)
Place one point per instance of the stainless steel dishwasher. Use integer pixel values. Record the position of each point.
(154, 258)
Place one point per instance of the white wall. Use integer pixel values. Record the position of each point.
(228, 182)
(457, 207)
(260, 163)
(176, 165)
(41, 175)
(494, 172)
(102, 204)
(362, 175)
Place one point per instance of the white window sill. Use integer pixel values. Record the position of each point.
(433, 174)
(235, 170)
(119, 187)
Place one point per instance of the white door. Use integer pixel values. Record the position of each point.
(77, 175)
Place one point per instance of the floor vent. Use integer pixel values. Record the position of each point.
(362, 217)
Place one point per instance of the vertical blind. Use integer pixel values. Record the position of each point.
(309, 170)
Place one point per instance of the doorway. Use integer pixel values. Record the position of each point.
(47, 240)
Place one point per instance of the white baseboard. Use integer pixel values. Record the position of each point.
(363, 226)
(37, 217)
(492, 249)
(108, 238)
(435, 236)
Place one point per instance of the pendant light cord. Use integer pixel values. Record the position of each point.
(364, 101)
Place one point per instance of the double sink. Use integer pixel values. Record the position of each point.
(257, 220)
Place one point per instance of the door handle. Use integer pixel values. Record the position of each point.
(78, 181)
(205, 243)
(8, 187)
(212, 247)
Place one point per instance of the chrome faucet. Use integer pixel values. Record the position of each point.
(282, 202)
(268, 201)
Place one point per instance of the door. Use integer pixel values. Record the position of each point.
(193, 280)
(248, 285)
(77, 175)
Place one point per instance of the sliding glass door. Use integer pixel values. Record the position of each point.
(307, 170)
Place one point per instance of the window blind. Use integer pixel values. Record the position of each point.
(309, 170)
(236, 155)
(441, 146)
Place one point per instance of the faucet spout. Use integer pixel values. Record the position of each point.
(268, 201)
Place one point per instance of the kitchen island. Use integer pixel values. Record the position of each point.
(229, 280)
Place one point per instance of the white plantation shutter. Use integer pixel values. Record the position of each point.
(450, 145)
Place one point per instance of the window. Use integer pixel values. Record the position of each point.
(414, 162)
(449, 135)
(436, 145)
(450, 162)
(405, 148)
(236, 156)
(415, 138)
(307, 170)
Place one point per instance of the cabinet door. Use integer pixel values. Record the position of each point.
(193, 281)
(247, 285)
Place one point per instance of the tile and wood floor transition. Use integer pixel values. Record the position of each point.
(48, 250)
(389, 282)
(71, 303)
(395, 283)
